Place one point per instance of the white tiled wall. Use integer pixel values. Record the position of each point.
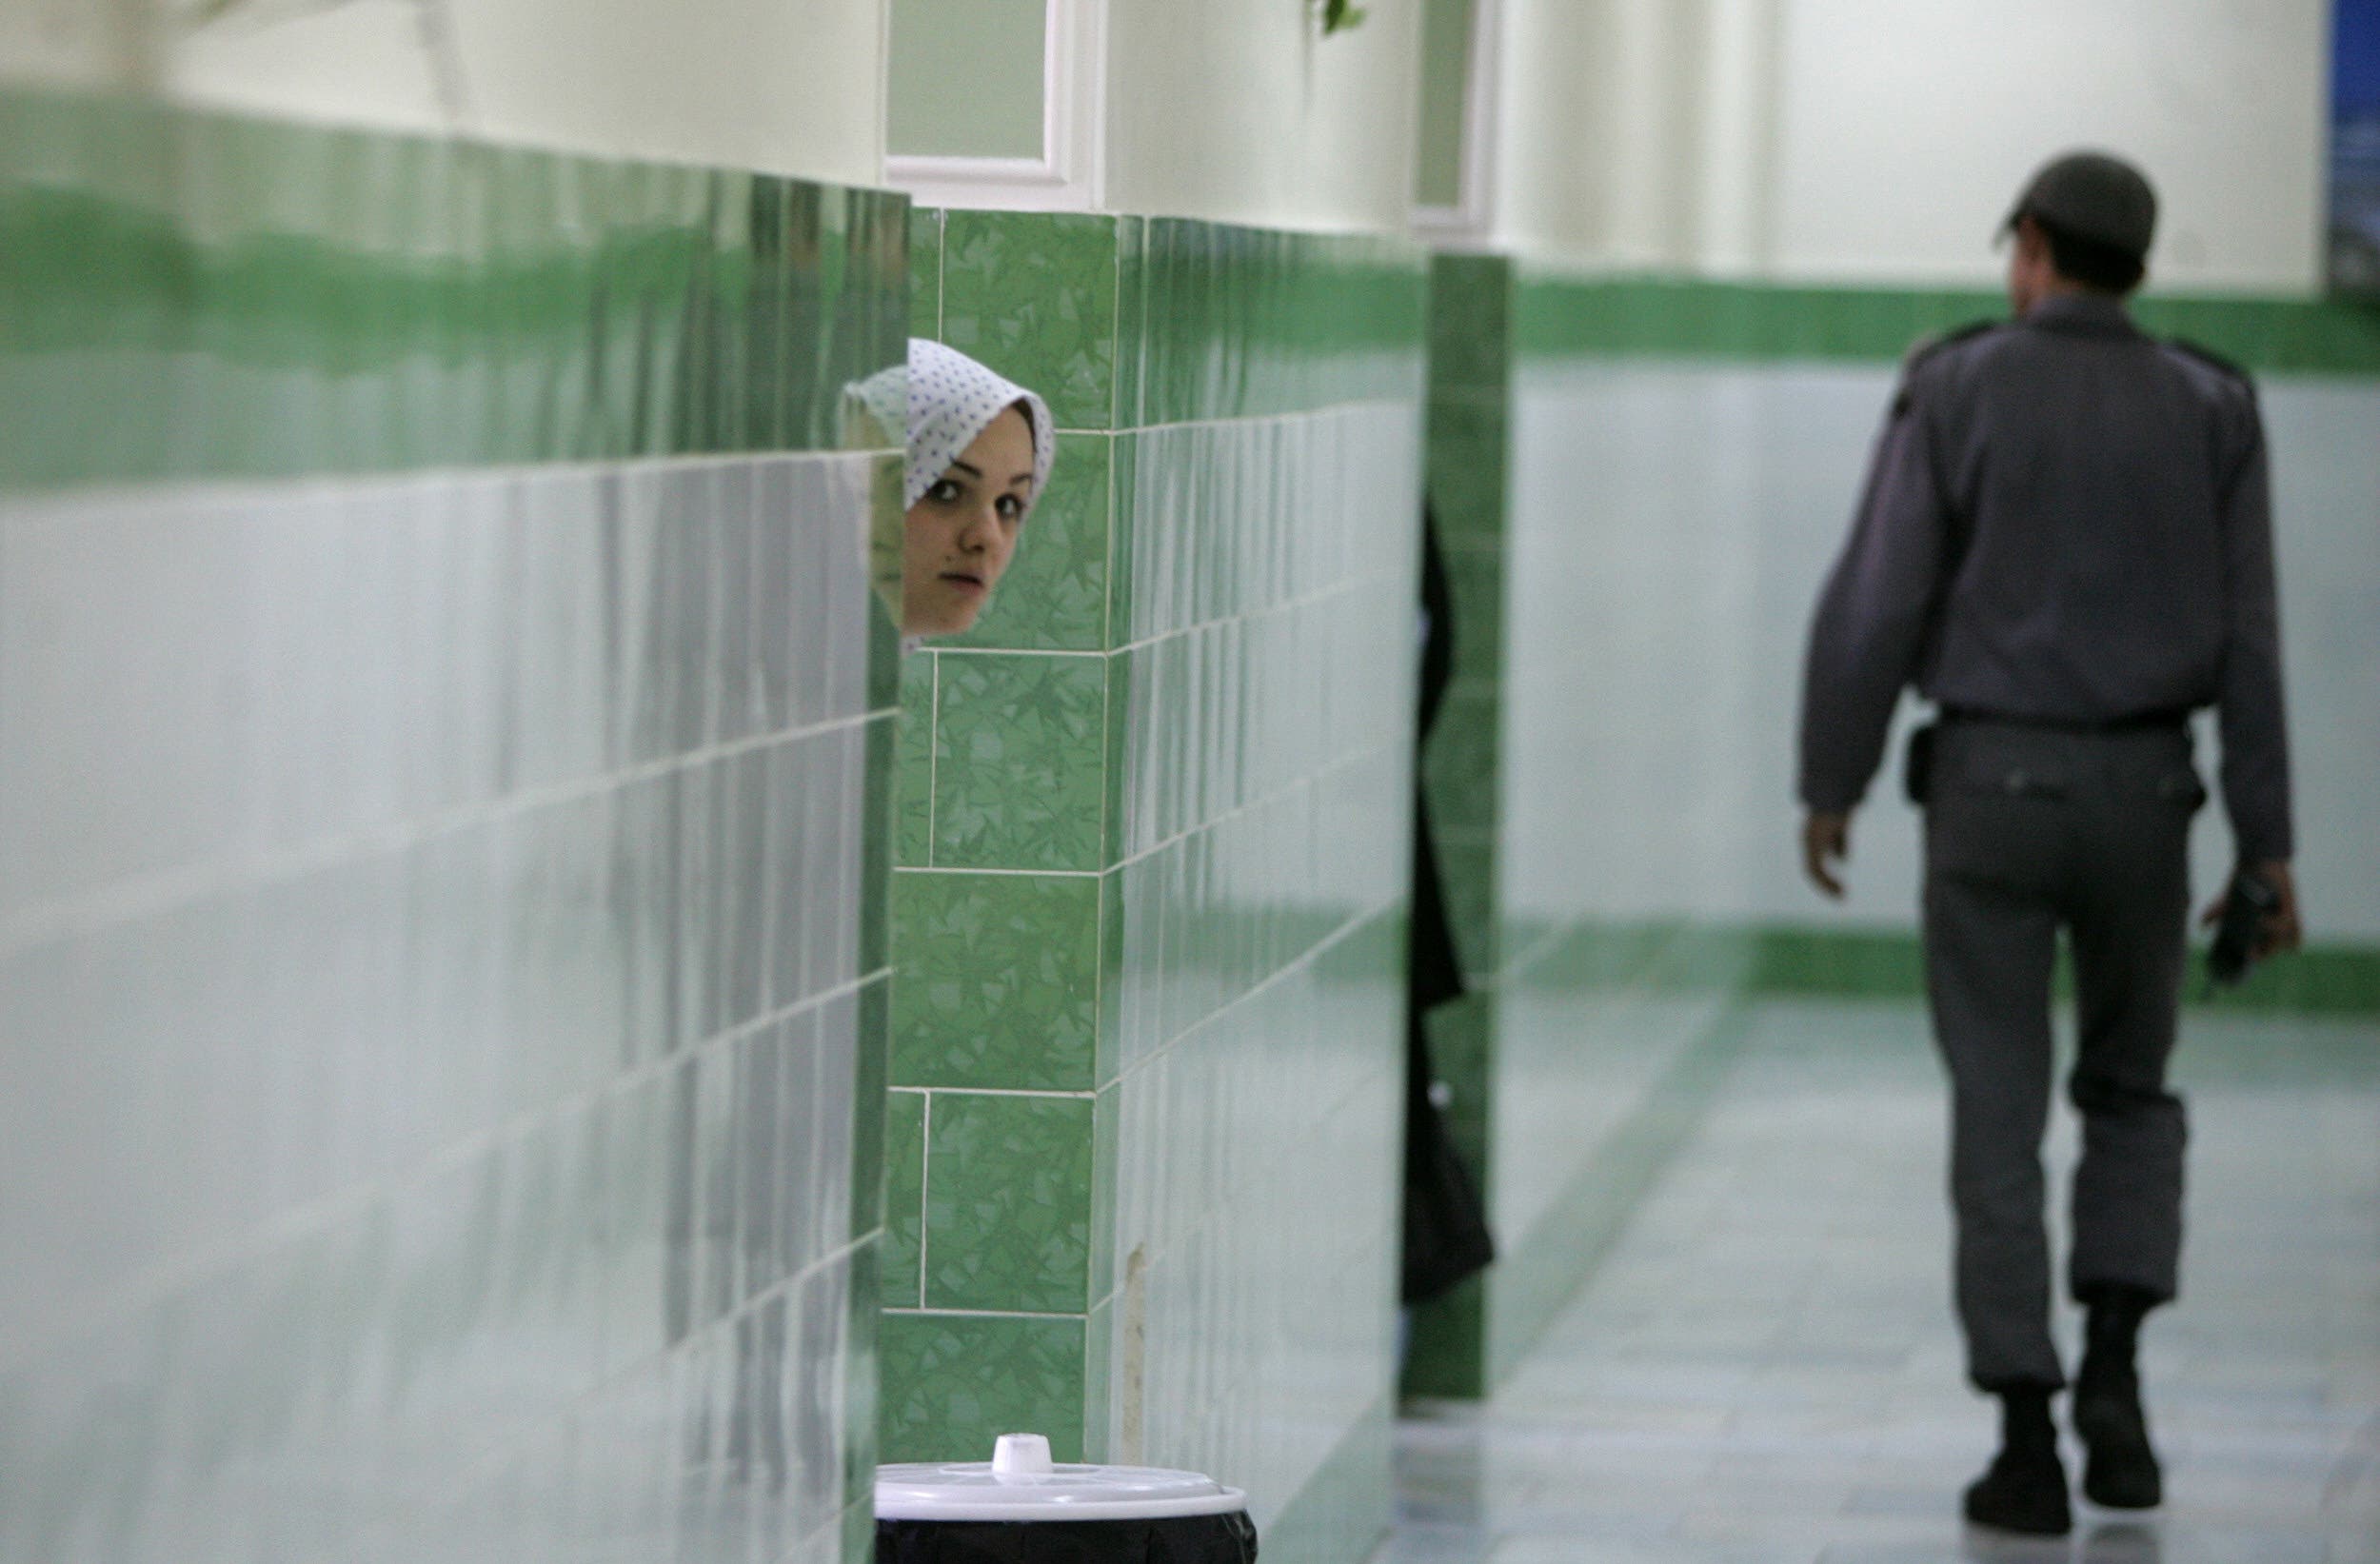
(1705, 503)
(433, 1016)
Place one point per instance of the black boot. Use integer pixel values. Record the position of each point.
(2023, 1490)
(2120, 1470)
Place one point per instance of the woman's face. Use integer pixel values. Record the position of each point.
(963, 530)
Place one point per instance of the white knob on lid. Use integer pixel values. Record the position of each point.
(1021, 1456)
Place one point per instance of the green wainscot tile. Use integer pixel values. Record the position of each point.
(953, 1384)
(1466, 864)
(199, 295)
(1054, 597)
(914, 763)
(1116, 795)
(1008, 1203)
(1123, 457)
(1107, 1047)
(1475, 580)
(998, 981)
(904, 1198)
(926, 271)
(1800, 960)
(1459, 764)
(2332, 980)
(1032, 295)
(1132, 311)
(1462, 1033)
(1466, 460)
(1018, 752)
(1446, 1355)
(1182, 300)
(1469, 322)
(1106, 1177)
(868, 1090)
(879, 801)
(888, 660)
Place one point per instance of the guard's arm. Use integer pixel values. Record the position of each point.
(1871, 617)
(2248, 702)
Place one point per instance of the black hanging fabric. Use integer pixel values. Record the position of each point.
(1446, 1234)
(1182, 1539)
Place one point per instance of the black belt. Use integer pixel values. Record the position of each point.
(2140, 722)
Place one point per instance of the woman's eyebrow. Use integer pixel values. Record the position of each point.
(967, 467)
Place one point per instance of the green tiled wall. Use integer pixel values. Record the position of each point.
(1671, 318)
(205, 296)
(1149, 912)
(444, 862)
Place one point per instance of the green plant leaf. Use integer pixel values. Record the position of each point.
(1339, 15)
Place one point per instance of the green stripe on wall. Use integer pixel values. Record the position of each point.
(191, 294)
(2320, 981)
(1692, 319)
(1698, 957)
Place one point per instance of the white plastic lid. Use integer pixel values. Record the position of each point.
(1022, 1483)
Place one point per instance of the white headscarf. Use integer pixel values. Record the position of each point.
(950, 400)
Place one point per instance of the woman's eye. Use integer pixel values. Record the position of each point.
(945, 492)
(1011, 508)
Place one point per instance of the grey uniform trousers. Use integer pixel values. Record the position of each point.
(2029, 831)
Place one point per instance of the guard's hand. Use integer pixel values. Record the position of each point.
(2283, 930)
(1825, 841)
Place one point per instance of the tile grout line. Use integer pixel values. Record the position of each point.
(933, 747)
(150, 895)
(1329, 409)
(1025, 874)
(233, 488)
(160, 1281)
(1051, 1094)
(495, 1460)
(926, 1176)
(985, 1314)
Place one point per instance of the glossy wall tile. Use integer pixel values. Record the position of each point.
(1149, 917)
(443, 984)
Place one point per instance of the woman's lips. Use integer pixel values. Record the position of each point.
(963, 581)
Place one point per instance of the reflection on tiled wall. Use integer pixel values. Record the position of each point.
(442, 968)
(1149, 918)
(1673, 466)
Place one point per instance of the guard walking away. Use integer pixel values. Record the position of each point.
(2066, 544)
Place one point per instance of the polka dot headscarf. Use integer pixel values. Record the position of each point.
(951, 400)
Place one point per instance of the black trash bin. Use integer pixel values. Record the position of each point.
(1020, 1508)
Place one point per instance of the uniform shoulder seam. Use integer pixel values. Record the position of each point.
(1926, 347)
(2212, 360)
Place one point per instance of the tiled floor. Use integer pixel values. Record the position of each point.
(1764, 1369)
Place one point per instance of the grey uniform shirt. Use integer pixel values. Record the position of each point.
(2068, 521)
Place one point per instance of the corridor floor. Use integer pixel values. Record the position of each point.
(1763, 1368)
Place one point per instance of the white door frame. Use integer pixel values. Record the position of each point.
(1473, 216)
(1069, 175)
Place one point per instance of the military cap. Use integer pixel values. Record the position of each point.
(2095, 196)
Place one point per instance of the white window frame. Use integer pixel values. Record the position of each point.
(1069, 175)
(1471, 218)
